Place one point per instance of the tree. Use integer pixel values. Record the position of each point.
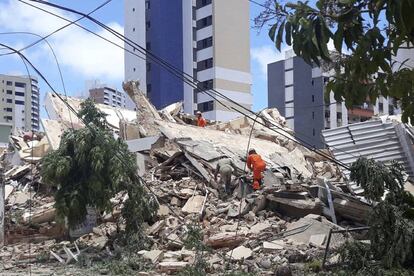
(392, 220)
(85, 172)
(372, 32)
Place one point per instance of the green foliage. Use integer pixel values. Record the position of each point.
(85, 172)
(356, 254)
(194, 241)
(391, 221)
(374, 177)
(365, 33)
(314, 266)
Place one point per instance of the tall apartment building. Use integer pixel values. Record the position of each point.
(207, 39)
(19, 104)
(112, 97)
(297, 90)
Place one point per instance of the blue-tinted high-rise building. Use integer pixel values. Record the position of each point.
(207, 39)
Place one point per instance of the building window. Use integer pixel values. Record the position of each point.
(204, 64)
(208, 84)
(204, 22)
(148, 46)
(313, 82)
(206, 106)
(20, 84)
(205, 43)
(147, 25)
(8, 109)
(9, 101)
(133, 9)
(381, 107)
(134, 69)
(313, 115)
(313, 98)
(147, 5)
(9, 83)
(133, 29)
(8, 118)
(19, 94)
(149, 87)
(9, 92)
(202, 3)
(148, 66)
(313, 132)
(19, 102)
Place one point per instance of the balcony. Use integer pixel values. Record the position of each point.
(361, 111)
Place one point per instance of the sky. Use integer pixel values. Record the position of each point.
(84, 57)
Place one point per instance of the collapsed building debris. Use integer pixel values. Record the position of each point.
(285, 222)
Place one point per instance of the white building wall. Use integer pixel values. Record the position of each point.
(135, 68)
(188, 54)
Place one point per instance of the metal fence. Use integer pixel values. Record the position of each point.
(336, 239)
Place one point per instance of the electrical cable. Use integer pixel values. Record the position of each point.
(133, 173)
(192, 83)
(195, 86)
(56, 60)
(63, 27)
(245, 166)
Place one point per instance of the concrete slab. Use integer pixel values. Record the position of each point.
(240, 253)
(193, 205)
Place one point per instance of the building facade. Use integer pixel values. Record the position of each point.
(19, 105)
(110, 96)
(207, 39)
(297, 90)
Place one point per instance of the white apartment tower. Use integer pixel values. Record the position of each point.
(19, 104)
(207, 39)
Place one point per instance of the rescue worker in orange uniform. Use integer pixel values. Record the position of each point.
(256, 164)
(201, 122)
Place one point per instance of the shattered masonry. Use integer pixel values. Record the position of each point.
(286, 222)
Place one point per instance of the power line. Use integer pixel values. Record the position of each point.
(140, 180)
(134, 174)
(56, 60)
(63, 27)
(259, 4)
(192, 82)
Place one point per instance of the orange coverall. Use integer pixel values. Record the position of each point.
(201, 122)
(257, 165)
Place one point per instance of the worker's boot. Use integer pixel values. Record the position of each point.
(256, 185)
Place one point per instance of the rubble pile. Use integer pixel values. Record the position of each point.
(287, 221)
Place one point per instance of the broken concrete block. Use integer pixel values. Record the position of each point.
(235, 210)
(353, 210)
(226, 239)
(294, 207)
(153, 255)
(194, 205)
(8, 189)
(271, 246)
(260, 227)
(240, 253)
(163, 211)
(156, 227)
(174, 242)
(171, 267)
(175, 201)
(317, 240)
(46, 214)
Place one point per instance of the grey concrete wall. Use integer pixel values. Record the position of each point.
(309, 115)
(276, 85)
